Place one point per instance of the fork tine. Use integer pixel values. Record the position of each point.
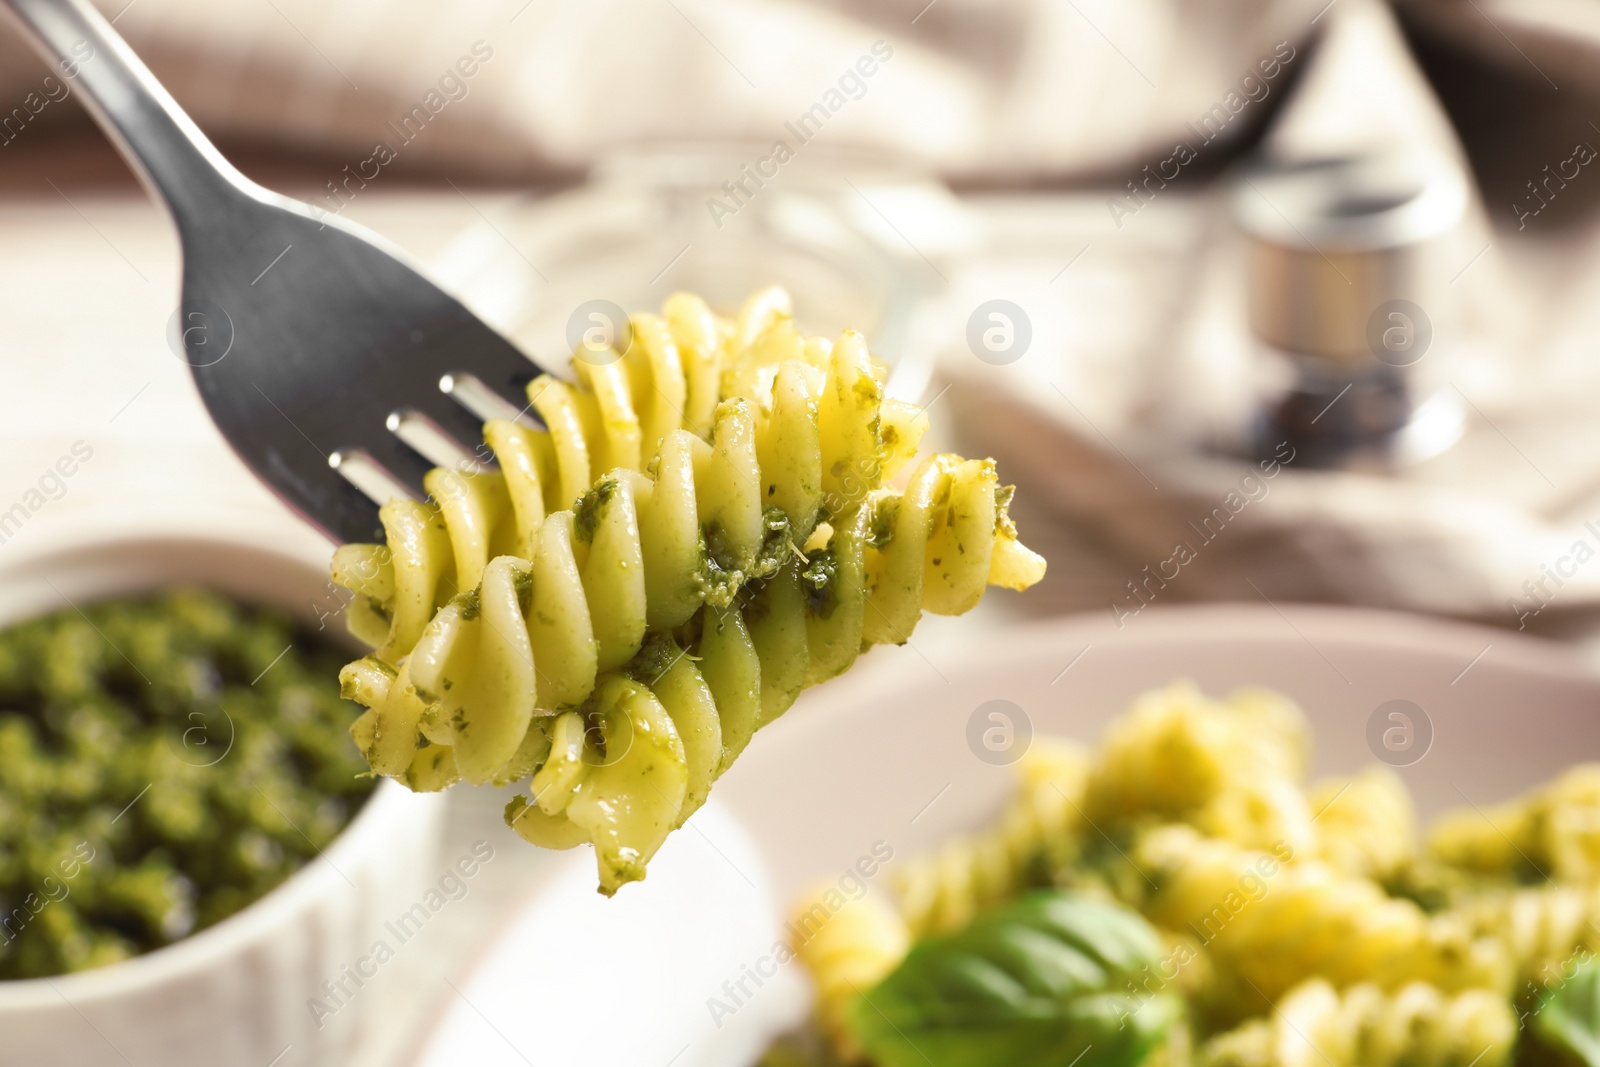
(504, 374)
(456, 422)
(348, 514)
(470, 392)
(359, 469)
(420, 431)
(400, 461)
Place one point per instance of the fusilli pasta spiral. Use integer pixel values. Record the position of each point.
(1302, 927)
(1456, 954)
(747, 450)
(1553, 832)
(1366, 824)
(1538, 931)
(1362, 1026)
(1176, 751)
(1037, 837)
(619, 638)
(1277, 919)
(847, 952)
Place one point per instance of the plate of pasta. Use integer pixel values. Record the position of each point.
(1225, 837)
(1222, 837)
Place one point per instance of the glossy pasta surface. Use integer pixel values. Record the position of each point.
(708, 521)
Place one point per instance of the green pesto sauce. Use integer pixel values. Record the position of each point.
(884, 517)
(720, 578)
(594, 728)
(1002, 511)
(469, 604)
(654, 658)
(755, 603)
(717, 585)
(775, 543)
(714, 543)
(164, 761)
(586, 513)
(522, 581)
(820, 582)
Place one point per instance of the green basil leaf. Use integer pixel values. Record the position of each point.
(1567, 1017)
(1047, 981)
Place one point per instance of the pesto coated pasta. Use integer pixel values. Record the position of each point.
(1362, 1026)
(1179, 754)
(1366, 824)
(1535, 931)
(704, 527)
(1553, 832)
(1275, 919)
(1038, 836)
(1301, 926)
(847, 951)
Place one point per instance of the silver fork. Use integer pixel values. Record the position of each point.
(323, 357)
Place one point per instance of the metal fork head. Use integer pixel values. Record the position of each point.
(305, 336)
(305, 333)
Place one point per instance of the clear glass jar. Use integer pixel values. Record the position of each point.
(721, 220)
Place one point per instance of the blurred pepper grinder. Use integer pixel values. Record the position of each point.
(1355, 216)
(1349, 298)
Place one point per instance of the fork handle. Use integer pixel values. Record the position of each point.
(166, 148)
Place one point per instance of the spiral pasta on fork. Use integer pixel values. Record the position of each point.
(703, 528)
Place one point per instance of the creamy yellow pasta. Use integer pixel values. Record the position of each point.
(723, 514)
(1298, 926)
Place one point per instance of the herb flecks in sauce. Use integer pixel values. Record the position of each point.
(164, 761)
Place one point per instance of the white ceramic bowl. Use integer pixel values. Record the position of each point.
(890, 758)
(236, 994)
(885, 755)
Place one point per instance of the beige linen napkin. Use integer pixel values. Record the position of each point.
(996, 88)
(1140, 353)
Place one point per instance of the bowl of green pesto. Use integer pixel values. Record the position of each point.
(189, 846)
(170, 758)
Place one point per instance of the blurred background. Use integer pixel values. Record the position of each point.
(1255, 300)
(1191, 214)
